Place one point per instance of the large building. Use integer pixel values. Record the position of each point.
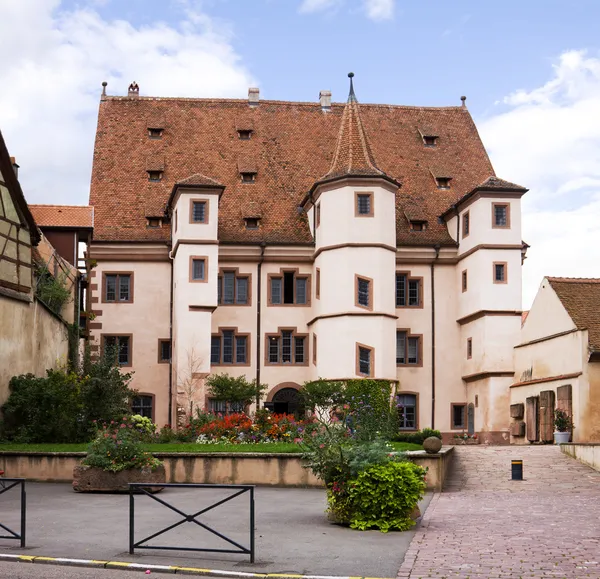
(287, 241)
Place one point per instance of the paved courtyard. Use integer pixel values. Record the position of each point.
(486, 526)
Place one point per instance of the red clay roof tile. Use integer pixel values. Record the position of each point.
(73, 216)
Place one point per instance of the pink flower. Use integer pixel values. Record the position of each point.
(114, 436)
(321, 446)
(123, 426)
(297, 440)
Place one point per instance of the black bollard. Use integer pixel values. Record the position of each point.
(517, 469)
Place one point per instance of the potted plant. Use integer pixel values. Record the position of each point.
(116, 458)
(563, 425)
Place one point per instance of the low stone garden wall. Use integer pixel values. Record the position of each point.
(587, 453)
(283, 470)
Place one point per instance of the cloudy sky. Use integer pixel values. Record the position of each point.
(530, 70)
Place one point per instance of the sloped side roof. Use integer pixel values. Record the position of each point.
(70, 216)
(581, 298)
(292, 144)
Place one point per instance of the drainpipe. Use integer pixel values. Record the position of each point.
(171, 341)
(437, 253)
(258, 311)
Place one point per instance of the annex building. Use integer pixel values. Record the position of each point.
(288, 241)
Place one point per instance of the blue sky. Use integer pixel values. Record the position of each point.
(530, 70)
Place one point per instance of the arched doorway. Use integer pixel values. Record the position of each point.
(285, 399)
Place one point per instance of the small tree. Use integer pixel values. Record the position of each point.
(234, 390)
(189, 381)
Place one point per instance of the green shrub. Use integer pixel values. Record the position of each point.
(145, 428)
(234, 389)
(416, 437)
(381, 497)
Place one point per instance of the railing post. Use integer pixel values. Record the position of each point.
(251, 524)
(23, 514)
(131, 520)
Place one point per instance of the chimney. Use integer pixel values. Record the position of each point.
(13, 162)
(464, 101)
(133, 90)
(253, 97)
(325, 100)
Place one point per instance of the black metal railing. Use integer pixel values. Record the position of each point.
(5, 485)
(189, 518)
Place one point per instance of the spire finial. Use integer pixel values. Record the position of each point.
(351, 96)
(104, 84)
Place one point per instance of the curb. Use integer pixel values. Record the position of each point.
(124, 565)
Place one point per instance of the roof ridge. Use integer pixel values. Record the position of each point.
(55, 205)
(573, 279)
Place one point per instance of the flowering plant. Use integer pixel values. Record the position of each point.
(465, 436)
(118, 447)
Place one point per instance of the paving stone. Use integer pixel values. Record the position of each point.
(485, 525)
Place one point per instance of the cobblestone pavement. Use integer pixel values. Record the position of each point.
(486, 526)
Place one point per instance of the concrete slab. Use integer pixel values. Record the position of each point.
(292, 533)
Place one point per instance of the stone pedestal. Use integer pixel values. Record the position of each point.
(88, 479)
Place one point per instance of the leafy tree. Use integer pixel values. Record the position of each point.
(234, 390)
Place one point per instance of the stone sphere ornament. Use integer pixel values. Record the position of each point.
(432, 445)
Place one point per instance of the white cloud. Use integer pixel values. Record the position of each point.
(376, 10)
(548, 140)
(52, 63)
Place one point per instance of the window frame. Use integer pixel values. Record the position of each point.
(453, 425)
(203, 258)
(371, 350)
(248, 177)
(494, 224)
(371, 204)
(223, 412)
(236, 334)
(447, 180)
(469, 348)
(279, 334)
(244, 134)
(409, 278)
(252, 220)
(155, 133)
(433, 142)
(504, 264)
(318, 283)
(151, 220)
(113, 335)
(161, 341)
(297, 274)
(317, 214)
(464, 280)
(206, 211)
(236, 275)
(152, 173)
(357, 279)
(466, 219)
(416, 407)
(314, 352)
(409, 335)
(152, 406)
(118, 274)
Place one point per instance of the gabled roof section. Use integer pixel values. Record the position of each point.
(353, 156)
(63, 216)
(195, 181)
(493, 184)
(581, 298)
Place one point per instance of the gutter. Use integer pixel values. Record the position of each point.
(171, 342)
(258, 318)
(437, 253)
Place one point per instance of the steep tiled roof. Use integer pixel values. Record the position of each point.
(581, 299)
(74, 216)
(292, 146)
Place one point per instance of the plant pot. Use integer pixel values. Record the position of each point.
(89, 479)
(561, 437)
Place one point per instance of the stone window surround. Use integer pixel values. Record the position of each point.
(198, 258)
(153, 396)
(505, 265)
(236, 272)
(453, 426)
(206, 211)
(118, 274)
(160, 343)
(371, 204)
(236, 334)
(416, 395)
(371, 350)
(369, 280)
(111, 335)
(466, 224)
(419, 363)
(295, 335)
(507, 205)
(297, 273)
(464, 280)
(410, 278)
(469, 348)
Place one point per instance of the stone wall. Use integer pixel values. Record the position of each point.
(586, 453)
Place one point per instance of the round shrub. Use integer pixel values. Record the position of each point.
(380, 497)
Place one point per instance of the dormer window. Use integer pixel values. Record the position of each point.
(154, 175)
(154, 222)
(251, 222)
(418, 225)
(244, 134)
(248, 177)
(430, 140)
(443, 182)
(155, 133)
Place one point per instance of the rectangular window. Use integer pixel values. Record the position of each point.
(365, 364)
(364, 296)
(318, 284)
(228, 348)
(287, 348)
(317, 215)
(199, 213)
(289, 289)
(466, 224)
(232, 289)
(406, 405)
(459, 412)
(120, 347)
(224, 407)
(464, 280)
(142, 405)
(314, 349)
(408, 349)
(364, 205)
(443, 182)
(499, 272)
(164, 351)
(198, 269)
(118, 287)
(469, 348)
(500, 215)
(408, 291)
